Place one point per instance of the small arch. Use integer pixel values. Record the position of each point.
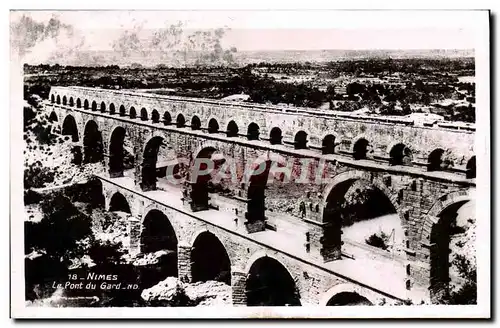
(132, 113)
(103, 107)
(180, 121)
(232, 129)
(328, 144)
(435, 160)
(119, 203)
(94, 105)
(253, 131)
(275, 136)
(58, 100)
(360, 149)
(213, 126)
(195, 123)
(400, 155)
(65, 100)
(471, 168)
(112, 109)
(269, 283)
(123, 111)
(144, 114)
(300, 140)
(52, 98)
(209, 259)
(78, 103)
(155, 116)
(167, 119)
(71, 102)
(86, 104)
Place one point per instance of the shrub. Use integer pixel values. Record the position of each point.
(378, 240)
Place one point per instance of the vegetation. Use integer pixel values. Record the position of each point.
(378, 240)
(383, 86)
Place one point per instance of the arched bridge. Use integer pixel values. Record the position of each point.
(255, 229)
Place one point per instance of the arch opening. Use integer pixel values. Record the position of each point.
(150, 159)
(92, 144)
(449, 231)
(232, 129)
(203, 185)
(103, 107)
(78, 103)
(144, 114)
(167, 119)
(58, 100)
(180, 121)
(360, 149)
(357, 212)
(112, 109)
(132, 113)
(118, 203)
(94, 105)
(120, 153)
(300, 140)
(71, 102)
(213, 126)
(270, 284)
(435, 160)
(471, 168)
(70, 128)
(65, 100)
(86, 104)
(209, 260)
(400, 155)
(348, 298)
(155, 116)
(275, 136)
(328, 144)
(52, 98)
(253, 131)
(256, 192)
(53, 117)
(195, 123)
(158, 234)
(123, 111)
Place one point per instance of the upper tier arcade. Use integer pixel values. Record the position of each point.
(329, 131)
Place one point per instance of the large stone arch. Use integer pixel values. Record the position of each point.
(435, 242)
(349, 288)
(69, 127)
(219, 257)
(264, 255)
(115, 143)
(361, 175)
(440, 205)
(92, 142)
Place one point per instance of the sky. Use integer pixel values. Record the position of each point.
(269, 30)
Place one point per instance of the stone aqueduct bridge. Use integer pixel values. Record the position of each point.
(425, 172)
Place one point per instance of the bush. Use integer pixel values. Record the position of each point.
(36, 176)
(378, 240)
